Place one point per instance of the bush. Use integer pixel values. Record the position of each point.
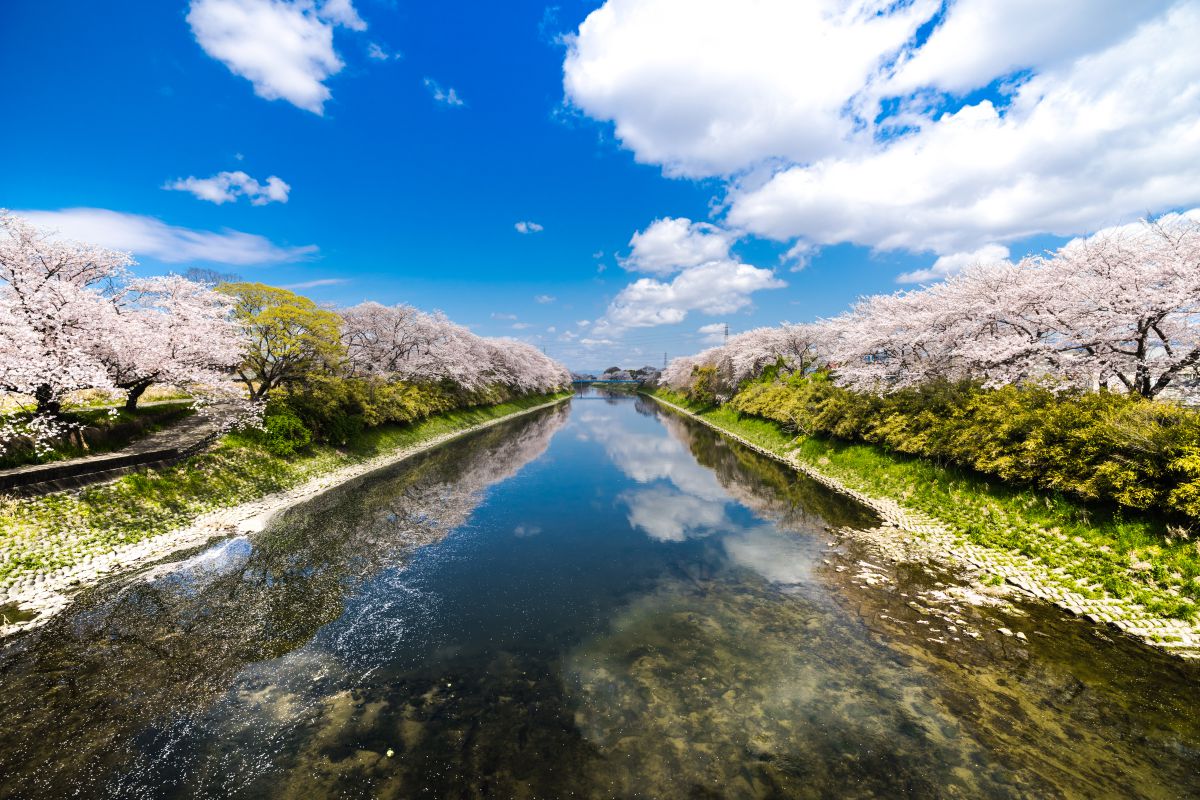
(284, 433)
(1097, 446)
(336, 410)
(704, 384)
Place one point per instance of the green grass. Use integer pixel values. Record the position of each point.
(1128, 556)
(59, 530)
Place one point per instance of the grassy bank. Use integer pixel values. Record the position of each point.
(102, 430)
(1093, 548)
(60, 530)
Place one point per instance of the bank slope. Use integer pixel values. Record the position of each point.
(54, 545)
(980, 529)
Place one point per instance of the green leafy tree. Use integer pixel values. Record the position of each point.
(284, 335)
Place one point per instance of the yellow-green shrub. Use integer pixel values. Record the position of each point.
(1097, 446)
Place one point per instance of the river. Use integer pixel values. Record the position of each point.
(600, 600)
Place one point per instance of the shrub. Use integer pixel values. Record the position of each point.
(336, 409)
(284, 433)
(703, 389)
(1097, 446)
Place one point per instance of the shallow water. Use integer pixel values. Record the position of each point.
(603, 600)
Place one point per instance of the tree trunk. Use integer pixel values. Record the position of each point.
(47, 402)
(134, 393)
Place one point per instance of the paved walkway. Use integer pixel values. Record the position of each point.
(163, 447)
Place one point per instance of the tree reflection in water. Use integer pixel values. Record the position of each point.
(75, 690)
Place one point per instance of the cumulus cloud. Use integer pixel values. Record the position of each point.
(544, 298)
(952, 263)
(706, 277)
(285, 49)
(671, 244)
(446, 96)
(832, 121)
(525, 226)
(227, 187)
(706, 87)
(147, 236)
(520, 326)
(718, 287)
(497, 315)
(953, 61)
(343, 13)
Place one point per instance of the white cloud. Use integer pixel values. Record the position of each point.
(552, 329)
(953, 60)
(832, 125)
(544, 298)
(520, 326)
(582, 322)
(147, 236)
(343, 13)
(447, 96)
(671, 244)
(314, 284)
(525, 226)
(378, 53)
(226, 187)
(285, 49)
(707, 87)
(497, 315)
(952, 263)
(712, 334)
(718, 287)
(671, 516)
(593, 342)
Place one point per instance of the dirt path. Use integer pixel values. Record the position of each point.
(172, 443)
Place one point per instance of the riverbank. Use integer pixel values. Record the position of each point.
(53, 546)
(1060, 569)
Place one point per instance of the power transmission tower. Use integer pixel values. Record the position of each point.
(726, 333)
(664, 361)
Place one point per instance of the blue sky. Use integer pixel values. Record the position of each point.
(397, 195)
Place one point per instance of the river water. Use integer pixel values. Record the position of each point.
(600, 600)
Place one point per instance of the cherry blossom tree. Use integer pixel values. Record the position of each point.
(168, 330)
(1128, 301)
(794, 348)
(403, 343)
(1119, 309)
(1116, 310)
(51, 297)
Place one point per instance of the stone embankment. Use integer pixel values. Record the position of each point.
(1031, 577)
(44, 595)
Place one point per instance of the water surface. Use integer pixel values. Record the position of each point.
(602, 600)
